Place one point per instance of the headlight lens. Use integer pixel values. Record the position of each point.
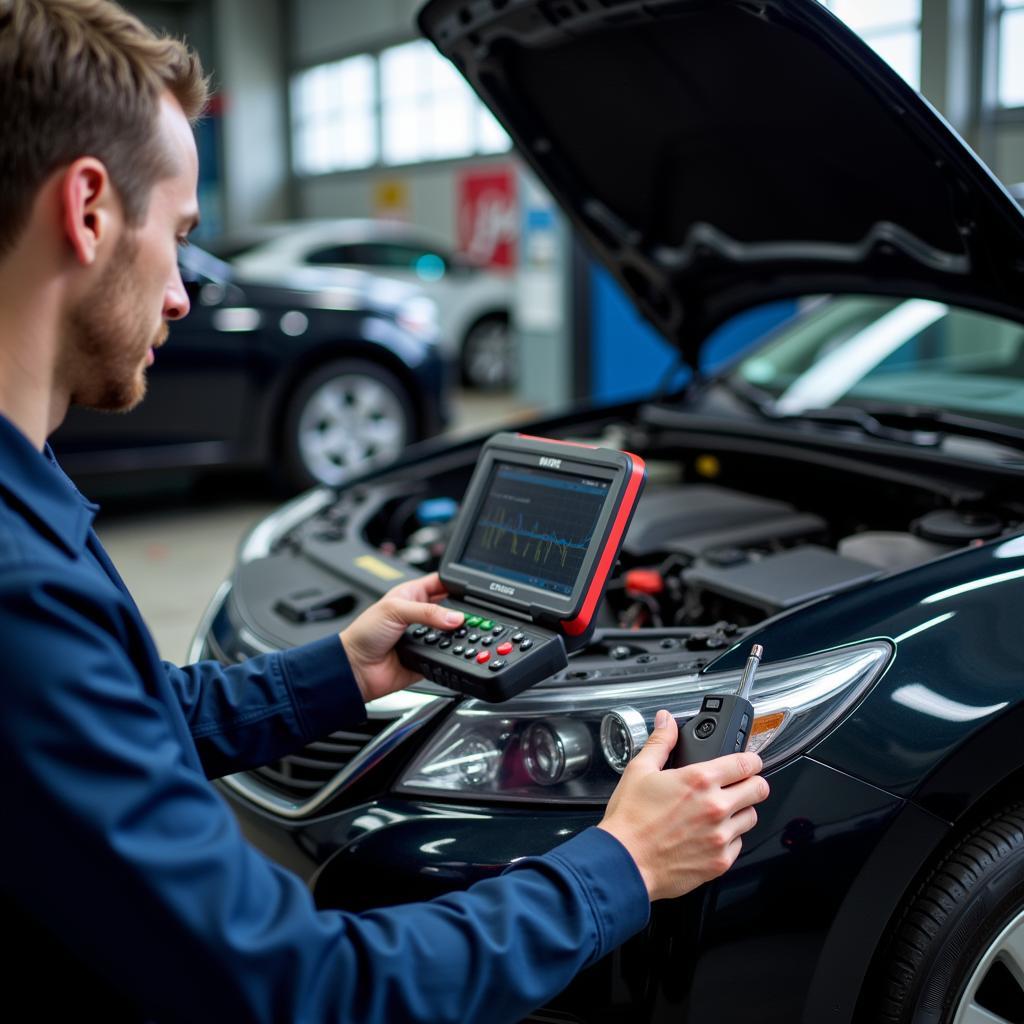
(418, 315)
(623, 733)
(556, 750)
(563, 746)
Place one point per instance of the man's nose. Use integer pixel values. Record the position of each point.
(176, 304)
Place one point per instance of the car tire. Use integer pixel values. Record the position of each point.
(341, 418)
(957, 953)
(489, 354)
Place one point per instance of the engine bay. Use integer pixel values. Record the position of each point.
(720, 542)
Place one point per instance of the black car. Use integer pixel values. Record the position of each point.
(314, 379)
(849, 495)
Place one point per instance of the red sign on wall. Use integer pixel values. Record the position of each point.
(488, 216)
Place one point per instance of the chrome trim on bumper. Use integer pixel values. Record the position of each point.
(413, 709)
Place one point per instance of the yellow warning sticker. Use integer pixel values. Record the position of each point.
(379, 569)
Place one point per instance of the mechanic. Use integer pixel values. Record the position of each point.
(125, 878)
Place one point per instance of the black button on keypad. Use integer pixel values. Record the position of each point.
(458, 649)
(497, 666)
(421, 631)
(432, 638)
(487, 641)
(526, 644)
(518, 636)
(473, 637)
(498, 630)
(445, 642)
(470, 652)
(461, 632)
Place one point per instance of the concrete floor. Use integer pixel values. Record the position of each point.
(173, 540)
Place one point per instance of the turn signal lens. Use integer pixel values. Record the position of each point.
(765, 729)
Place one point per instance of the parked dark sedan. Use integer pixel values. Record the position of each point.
(849, 496)
(314, 379)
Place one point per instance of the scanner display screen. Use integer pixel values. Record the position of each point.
(535, 526)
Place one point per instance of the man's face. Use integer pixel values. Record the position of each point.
(115, 329)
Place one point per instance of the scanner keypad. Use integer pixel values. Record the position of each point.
(483, 657)
(476, 630)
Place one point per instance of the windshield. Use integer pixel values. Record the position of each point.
(865, 351)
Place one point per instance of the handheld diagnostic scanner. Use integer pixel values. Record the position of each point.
(533, 545)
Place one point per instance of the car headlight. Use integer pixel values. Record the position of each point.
(567, 746)
(418, 315)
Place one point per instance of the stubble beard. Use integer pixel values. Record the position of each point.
(111, 336)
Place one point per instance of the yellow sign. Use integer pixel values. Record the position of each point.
(391, 197)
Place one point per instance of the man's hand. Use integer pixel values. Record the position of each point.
(370, 640)
(682, 826)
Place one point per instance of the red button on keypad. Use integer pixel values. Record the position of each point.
(504, 648)
(482, 657)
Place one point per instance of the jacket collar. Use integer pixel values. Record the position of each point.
(34, 481)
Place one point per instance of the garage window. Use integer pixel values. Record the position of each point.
(428, 112)
(403, 105)
(334, 116)
(1010, 31)
(892, 28)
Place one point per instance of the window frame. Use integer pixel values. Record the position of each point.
(894, 28)
(997, 11)
(332, 116)
(377, 113)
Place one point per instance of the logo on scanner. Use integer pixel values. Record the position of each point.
(501, 588)
(550, 463)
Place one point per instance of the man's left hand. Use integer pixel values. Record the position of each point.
(370, 640)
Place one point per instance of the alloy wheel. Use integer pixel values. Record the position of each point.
(994, 993)
(347, 421)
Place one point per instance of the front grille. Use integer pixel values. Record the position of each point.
(301, 776)
(305, 783)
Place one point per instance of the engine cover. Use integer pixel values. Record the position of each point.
(695, 518)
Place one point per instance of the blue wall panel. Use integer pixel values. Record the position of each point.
(630, 359)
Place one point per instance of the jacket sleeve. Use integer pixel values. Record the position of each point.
(243, 716)
(128, 854)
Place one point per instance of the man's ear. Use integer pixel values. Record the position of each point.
(91, 208)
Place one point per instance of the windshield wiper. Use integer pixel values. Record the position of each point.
(916, 425)
(926, 428)
(923, 435)
(923, 420)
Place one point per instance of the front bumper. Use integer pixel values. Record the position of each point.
(789, 932)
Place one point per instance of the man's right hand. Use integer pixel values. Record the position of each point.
(682, 826)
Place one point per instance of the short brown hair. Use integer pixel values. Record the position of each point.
(84, 78)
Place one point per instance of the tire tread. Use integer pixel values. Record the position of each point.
(939, 897)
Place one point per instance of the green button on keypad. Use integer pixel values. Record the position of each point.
(473, 620)
(485, 624)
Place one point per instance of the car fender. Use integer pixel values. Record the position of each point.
(860, 925)
(956, 673)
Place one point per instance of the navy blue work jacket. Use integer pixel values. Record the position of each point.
(123, 864)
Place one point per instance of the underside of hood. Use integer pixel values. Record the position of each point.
(717, 154)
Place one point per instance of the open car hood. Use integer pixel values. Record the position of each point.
(717, 154)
